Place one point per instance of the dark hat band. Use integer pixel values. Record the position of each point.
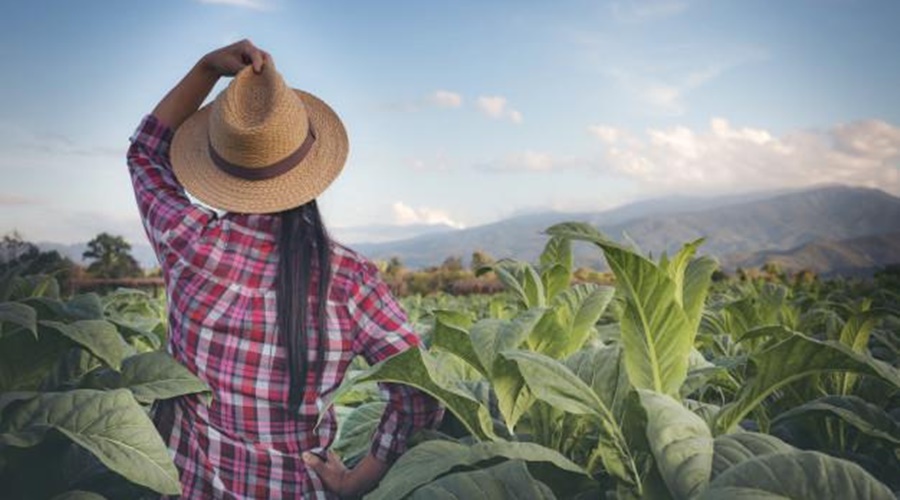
(276, 169)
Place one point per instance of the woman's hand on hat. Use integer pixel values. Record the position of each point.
(227, 61)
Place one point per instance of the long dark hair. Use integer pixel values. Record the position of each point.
(304, 273)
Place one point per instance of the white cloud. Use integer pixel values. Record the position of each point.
(497, 107)
(535, 161)
(446, 99)
(492, 106)
(666, 91)
(606, 133)
(664, 80)
(729, 158)
(247, 4)
(407, 215)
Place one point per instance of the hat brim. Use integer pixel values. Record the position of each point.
(196, 171)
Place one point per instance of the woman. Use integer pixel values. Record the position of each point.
(262, 305)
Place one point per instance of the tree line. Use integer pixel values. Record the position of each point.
(108, 257)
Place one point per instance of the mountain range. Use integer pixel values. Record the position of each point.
(829, 229)
(811, 226)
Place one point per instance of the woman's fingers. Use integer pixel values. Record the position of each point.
(331, 472)
(255, 55)
(227, 61)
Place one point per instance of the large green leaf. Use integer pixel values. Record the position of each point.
(557, 252)
(570, 321)
(521, 279)
(656, 332)
(737, 493)
(798, 475)
(792, 359)
(732, 449)
(556, 279)
(855, 335)
(489, 338)
(680, 442)
(556, 263)
(506, 480)
(776, 332)
(677, 266)
(11, 398)
(550, 381)
(451, 334)
(71, 369)
(99, 337)
(109, 424)
(79, 495)
(865, 417)
(602, 368)
(137, 334)
(417, 368)
(157, 375)
(697, 279)
(355, 437)
(492, 336)
(18, 314)
(80, 307)
(702, 373)
(25, 361)
(433, 459)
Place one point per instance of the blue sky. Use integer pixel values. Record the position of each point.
(467, 112)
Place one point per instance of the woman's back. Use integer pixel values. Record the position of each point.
(222, 274)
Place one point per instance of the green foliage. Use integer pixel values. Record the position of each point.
(435, 459)
(506, 480)
(798, 474)
(22, 264)
(109, 424)
(555, 388)
(112, 258)
(792, 359)
(681, 444)
(633, 383)
(76, 386)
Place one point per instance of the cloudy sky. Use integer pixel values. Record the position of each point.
(466, 112)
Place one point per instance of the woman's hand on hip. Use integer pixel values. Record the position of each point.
(343, 481)
(332, 472)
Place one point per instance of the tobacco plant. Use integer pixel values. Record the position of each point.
(76, 383)
(555, 406)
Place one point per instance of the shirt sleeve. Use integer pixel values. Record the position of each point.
(381, 332)
(165, 209)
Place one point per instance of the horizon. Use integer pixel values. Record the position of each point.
(147, 259)
(465, 114)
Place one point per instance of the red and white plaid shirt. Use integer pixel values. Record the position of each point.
(220, 275)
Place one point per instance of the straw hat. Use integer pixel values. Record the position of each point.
(260, 147)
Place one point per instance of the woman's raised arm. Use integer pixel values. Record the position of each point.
(186, 97)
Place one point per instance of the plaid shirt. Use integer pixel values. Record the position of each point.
(220, 275)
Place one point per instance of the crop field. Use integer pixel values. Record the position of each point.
(664, 385)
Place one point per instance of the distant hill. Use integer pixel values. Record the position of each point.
(829, 229)
(740, 224)
(385, 232)
(781, 222)
(855, 256)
